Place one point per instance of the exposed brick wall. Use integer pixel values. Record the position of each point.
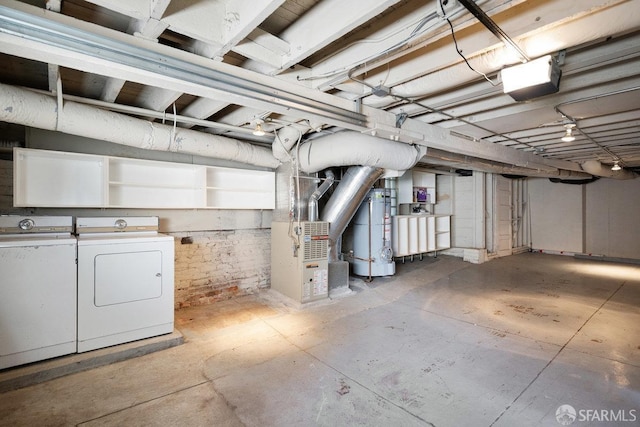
(219, 265)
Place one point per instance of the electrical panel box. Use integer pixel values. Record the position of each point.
(300, 273)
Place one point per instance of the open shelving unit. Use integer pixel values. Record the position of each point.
(151, 184)
(45, 178)
(419, 234)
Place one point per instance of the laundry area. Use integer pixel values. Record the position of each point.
(319, 212)
(504, 343)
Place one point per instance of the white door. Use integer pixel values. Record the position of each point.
(502, 216)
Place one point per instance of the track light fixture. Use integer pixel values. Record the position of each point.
(616, 166)
(568, 135)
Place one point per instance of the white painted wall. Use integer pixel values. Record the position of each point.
(556, 215)
(600, 218)
(468, 210)
(611, 216)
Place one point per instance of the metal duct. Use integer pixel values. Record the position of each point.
(596, 168)
(353, 148)
(344, 202)
(313, 200)
(27, 108)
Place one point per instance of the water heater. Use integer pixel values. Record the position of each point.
(299, 259)
(372, 253)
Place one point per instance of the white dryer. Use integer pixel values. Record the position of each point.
(37, 288)
(125, 281)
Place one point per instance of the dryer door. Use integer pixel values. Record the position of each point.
(127, 277)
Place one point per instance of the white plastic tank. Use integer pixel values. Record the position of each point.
(372, 253)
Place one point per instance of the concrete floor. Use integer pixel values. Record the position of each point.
(442, 343)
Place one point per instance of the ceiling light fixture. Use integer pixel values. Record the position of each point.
(568, 135)
(616, 166)
(258, 131)
(532, 79)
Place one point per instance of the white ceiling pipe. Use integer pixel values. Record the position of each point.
(27, 108)
(596, 168)
(353, 148)
(284, 141)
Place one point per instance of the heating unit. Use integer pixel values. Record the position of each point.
(301, 273)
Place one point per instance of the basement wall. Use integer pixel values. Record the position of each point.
(599, 219)
(466, 200)
(219, 254)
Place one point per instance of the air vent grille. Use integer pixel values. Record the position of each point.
(316, 240)
(315, 249)
(316, 228)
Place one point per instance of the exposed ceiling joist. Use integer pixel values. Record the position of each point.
(311, 55)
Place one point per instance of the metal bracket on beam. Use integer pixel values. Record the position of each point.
(400, 118)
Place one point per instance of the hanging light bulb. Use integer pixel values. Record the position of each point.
(568, 135)
(258, 131)
(616, 166)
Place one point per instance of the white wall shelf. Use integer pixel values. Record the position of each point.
(411, 181)
(45, 178)
(52, 178)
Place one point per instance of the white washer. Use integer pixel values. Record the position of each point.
(125, 281)
(37, 289)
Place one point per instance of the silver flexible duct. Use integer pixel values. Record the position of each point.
(344, 202)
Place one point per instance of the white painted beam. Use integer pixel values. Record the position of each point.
(53, 70)
(523, 22)
(218, 23)
(263, 47)
(149, 28)
(138, 9)
(111, 89)
(156, 98)
(279, 92)
(276, 95)
(53, 74)
(202, 108)
(326, 22)
(548, 102)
